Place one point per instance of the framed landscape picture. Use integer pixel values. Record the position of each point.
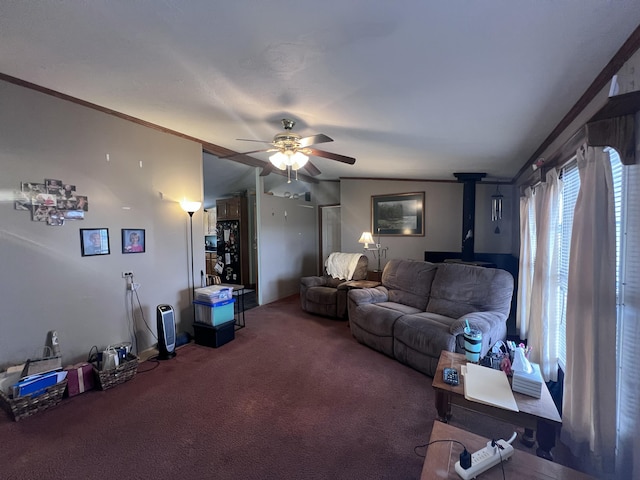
(399, 214)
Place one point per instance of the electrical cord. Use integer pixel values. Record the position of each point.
(143, 317)
(494, 443)
(426, 445)
(132, 290)
(153, 360)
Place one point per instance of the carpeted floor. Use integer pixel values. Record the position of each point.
(294, 396)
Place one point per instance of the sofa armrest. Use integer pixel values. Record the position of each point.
(313, 281)
(483, 321)
(493, 326)
(362, 296)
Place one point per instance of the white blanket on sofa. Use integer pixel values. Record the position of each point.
(342, 265)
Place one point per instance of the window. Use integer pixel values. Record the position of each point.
(569, 196)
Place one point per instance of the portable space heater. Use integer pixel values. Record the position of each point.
(166, 332)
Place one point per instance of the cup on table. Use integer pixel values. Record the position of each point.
(472, 344)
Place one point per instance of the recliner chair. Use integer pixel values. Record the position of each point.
(326, 295)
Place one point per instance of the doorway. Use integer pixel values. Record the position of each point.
(330, 233)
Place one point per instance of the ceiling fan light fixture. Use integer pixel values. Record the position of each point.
(298, 160)
(295, 160)
(279, 160)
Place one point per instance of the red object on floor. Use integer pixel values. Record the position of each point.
(80, 378)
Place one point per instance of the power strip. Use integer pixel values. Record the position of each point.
(488, 457)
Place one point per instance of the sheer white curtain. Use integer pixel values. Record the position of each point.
(543, 317)
(589, 402)
(525, 272)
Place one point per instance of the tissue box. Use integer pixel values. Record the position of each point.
(528, 383)
(80, 378)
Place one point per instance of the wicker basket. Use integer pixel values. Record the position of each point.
(28, 405)
(123, 372)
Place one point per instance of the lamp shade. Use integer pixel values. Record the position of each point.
(366, 238)
(190, 207)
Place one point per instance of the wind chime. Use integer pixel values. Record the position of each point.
(496, 208)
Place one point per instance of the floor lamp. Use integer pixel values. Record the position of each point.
(191, 208)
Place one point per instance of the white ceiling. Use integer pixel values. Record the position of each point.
(411, 89)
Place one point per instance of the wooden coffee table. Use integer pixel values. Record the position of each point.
(539, 414)
(441, 457)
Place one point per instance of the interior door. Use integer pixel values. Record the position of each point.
(330, 232)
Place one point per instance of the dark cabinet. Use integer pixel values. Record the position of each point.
(233, 208)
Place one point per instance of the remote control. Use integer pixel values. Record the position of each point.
(450, 376)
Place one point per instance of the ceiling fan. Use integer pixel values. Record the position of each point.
(291, 151)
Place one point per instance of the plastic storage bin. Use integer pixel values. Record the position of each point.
(215, 337)
(214, 313)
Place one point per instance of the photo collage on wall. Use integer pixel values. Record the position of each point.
(52, 202)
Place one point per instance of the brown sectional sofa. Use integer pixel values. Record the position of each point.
(421, 308)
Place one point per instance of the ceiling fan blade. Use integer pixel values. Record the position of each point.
(266, 170)
(252, 140)
(249, 153)
(311, 169)
(314, 139)
(332, 156)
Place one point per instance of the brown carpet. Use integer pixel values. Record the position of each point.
(294, 396)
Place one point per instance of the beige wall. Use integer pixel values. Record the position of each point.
(46, 283)
(443, 217)
(288, 246)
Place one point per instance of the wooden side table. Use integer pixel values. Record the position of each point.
(441, 457)
(539, 414)
(361, 284)
(374, 275)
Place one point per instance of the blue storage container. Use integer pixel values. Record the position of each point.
(214, 313)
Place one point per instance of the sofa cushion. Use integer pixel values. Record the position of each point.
(372, 323)
(379, 318)
(409, 281)
(425, 332)
(460, 289)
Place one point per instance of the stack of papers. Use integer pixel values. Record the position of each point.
(35, 385)
(489, 386)
(214, 293)
(528, 383)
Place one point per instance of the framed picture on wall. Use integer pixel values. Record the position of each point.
(399, 214)
(133, 240)
(94, 241)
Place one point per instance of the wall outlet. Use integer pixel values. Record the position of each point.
(127, 274)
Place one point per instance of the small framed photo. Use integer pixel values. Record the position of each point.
(133, 240)
(400, 214)
(94, 241)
